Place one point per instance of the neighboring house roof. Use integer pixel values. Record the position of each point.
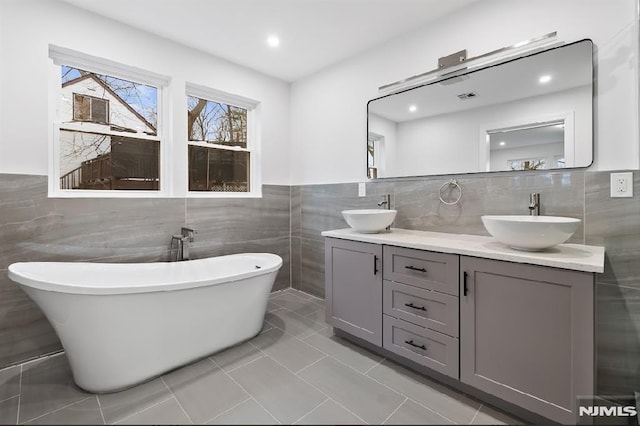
(114, 94)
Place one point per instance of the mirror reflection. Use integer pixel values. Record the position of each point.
(530, 113)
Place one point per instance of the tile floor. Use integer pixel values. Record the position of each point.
(294, 372)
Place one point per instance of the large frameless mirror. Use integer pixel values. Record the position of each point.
(530, 113)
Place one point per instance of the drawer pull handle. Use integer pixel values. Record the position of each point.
(413, 268)
(410, 342)
(412, 306)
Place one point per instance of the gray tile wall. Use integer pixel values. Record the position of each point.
(316, 208)
(36, 228)
(612, 223)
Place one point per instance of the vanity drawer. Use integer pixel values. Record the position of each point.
(426, 308)
(426, 269)
(429, 348)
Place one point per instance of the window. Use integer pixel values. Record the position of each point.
(88, 108)
(110, 134)
(221, 149)
(108, 138)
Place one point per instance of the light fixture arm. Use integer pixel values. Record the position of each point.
(457, 63)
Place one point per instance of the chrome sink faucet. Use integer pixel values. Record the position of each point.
(534, 204)
(386, 201)
(181, 242)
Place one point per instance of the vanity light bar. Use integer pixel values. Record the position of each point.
(493, 57)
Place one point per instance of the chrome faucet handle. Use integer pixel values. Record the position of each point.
(386, 201)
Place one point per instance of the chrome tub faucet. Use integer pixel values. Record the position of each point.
(181, 243)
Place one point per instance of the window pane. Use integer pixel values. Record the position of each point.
(81, 107)
(216, 122)
(126, 105)
(218, 170)
(99, 110)
(99, 161)
(94, 154)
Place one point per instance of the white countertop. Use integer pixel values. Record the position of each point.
(577, 257)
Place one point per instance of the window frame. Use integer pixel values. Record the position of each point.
(254, 147)
(62, 56)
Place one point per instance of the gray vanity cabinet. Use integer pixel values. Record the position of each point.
(353, 275)
(526, 334)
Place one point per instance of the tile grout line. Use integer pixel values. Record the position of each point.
(476, 414)
(430, 409)
(311, 411)
(312, 364)
(313, 386)
(394, 411)
(228, 410)
(302, 316)
(411, 399)
(245, 390)
(11, 397)
(60, 408)
(19, 395)
(179, 405)
(374, 366)
(239, 366)
(139, 411)
(618, 286)
(104, 422)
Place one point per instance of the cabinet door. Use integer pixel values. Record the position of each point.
(526, 334)
(353, 279)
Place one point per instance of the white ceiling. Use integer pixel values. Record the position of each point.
(314, 34)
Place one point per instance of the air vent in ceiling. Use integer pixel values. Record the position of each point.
(469, 95)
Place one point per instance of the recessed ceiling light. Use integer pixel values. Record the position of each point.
(273, 41)
(545, 79)
(503, 143)
(413, 108)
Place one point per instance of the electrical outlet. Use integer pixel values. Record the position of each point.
(621, 184)
(362, 189)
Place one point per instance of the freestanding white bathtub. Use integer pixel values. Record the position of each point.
(121, 324)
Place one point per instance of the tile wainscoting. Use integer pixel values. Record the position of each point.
(288, 221)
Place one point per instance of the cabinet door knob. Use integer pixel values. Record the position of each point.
(410, 342)
(465, 286)
(375, 264)
(412, 306)
(413, 268)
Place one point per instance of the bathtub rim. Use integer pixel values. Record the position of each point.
(37, 280)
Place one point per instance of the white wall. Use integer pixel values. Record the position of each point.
(27, 27)
(328, 109)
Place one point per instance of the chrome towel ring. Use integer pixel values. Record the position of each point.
(450, 183)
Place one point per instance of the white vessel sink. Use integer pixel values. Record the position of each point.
(369, 221)
(531, 233)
